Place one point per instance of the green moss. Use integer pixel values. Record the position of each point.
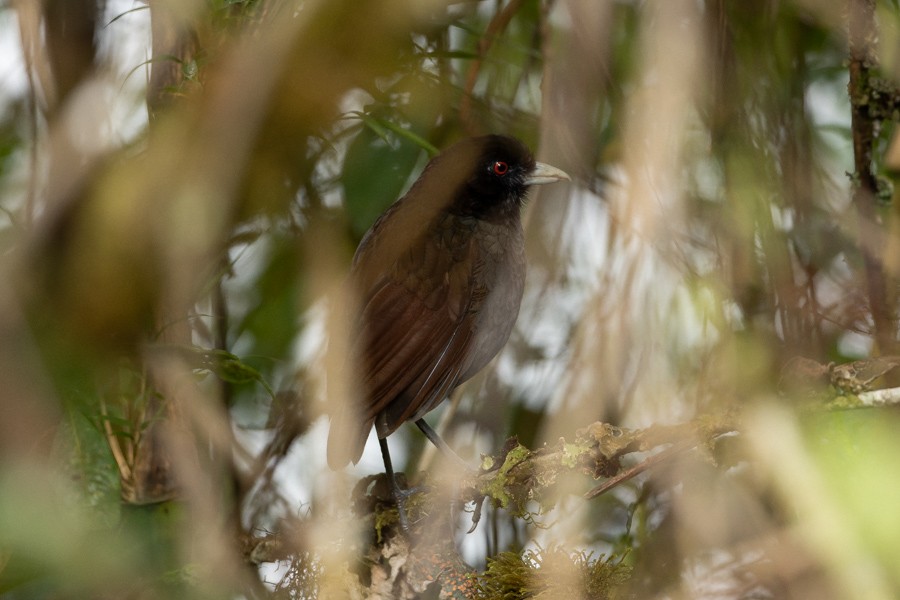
(571, 454)
(552, 573)
(844, 401)
(506, 578)
(499, 487)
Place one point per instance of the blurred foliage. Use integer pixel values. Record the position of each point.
(166, 281)
(855, 452)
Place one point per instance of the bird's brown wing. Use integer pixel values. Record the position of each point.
(412, 356)
(414, 336)
(418, 328)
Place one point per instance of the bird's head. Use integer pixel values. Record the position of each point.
(499, 169)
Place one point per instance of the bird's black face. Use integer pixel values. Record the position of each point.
(498, 183)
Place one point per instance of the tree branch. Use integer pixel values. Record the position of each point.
(518, 476)
(862, 45)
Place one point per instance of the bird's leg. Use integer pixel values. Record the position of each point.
(400, 496)
(441, 445)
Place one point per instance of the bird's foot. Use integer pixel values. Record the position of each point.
(476, 513)
(401, 496)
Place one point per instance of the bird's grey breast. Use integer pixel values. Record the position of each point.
(501, 277)
(475, 270)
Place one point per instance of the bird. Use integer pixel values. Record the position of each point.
(439, 278)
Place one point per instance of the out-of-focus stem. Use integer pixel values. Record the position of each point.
(862, 39)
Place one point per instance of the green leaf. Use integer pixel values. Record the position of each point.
(378, 165)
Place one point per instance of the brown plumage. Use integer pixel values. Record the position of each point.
(440, 277)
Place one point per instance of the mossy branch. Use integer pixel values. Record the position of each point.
(517, 477)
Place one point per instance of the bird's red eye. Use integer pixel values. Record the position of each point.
(500, 168)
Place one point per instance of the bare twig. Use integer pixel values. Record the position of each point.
(885, 397)
(639, 468)
(114, 446)
(497, 25)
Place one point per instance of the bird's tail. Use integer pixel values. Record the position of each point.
(346, 439)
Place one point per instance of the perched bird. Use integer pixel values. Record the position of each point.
(439, 278)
